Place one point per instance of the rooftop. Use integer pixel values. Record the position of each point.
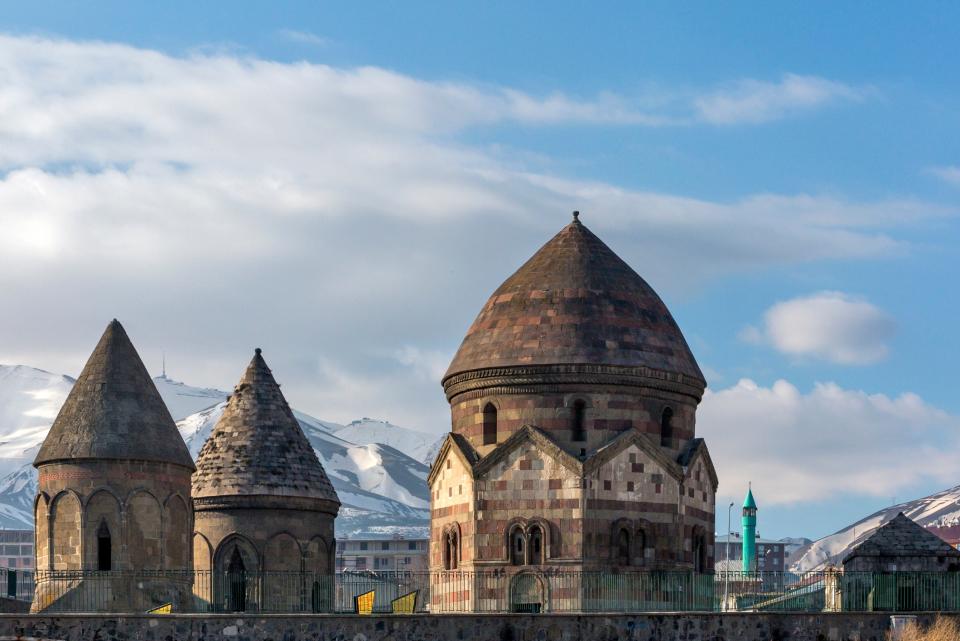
(257, 448)
(114, 411)
(576, 302)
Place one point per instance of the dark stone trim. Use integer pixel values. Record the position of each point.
(263, 501)
(536, 379)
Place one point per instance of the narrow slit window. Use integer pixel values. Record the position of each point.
(579, 421)
(489, 424)
(104, 548)
(666, 428)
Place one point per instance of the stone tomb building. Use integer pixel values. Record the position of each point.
(264, 506)
(114, 491)
(901, 545)
(901, 567)
(573, 445)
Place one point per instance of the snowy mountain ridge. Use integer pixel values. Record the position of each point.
(941, 509)
(378, 473)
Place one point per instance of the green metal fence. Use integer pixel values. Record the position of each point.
(522, 589)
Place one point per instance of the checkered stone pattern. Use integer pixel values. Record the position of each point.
(452, 500)
(593, 393)
(529, 483)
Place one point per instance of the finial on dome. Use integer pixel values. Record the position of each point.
(257, 351)
(576, 216)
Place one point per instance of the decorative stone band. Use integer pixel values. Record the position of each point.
(263, 501)
(53, 472)
(534, 379)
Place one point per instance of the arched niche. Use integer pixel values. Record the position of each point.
(282, 554)
(101, 538)
(144, 532)
(235, 576)
(66, 516)
(246, 550)
(282, 561)
(316, 558)
(176, 535)
(202, 553)
(41, 516)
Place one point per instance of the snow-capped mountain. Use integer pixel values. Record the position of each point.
(378, 485)
(382, 488)
(937, 510)
(29, 401)
(415, 444)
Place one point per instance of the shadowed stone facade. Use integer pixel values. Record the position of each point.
(901, 545)
(573, 404)
(114, 488)
(263, 504)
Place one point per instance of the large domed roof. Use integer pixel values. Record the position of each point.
(575, 302)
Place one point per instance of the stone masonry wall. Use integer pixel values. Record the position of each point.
(516, 627)
(140, 504)
(609, 411)
(139, 501)
(525, 486)
(633, 488)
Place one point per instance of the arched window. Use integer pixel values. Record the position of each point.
(451, 547)
(489, 424)
(104, 548)
(579, 432)
(698, 549)
(642, 544)
(536, 545)
(666, 428)
(517, 547)
(623, 547)
(454, 548)
(445, 540)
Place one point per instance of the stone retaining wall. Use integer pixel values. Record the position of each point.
(465, 627)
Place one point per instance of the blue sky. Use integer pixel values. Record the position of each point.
(787, 176)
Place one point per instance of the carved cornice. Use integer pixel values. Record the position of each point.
(537, 379)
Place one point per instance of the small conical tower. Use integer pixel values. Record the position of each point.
(114, 488)
(749, 523)
(264, 504)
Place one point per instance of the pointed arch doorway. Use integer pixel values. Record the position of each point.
(236, 583)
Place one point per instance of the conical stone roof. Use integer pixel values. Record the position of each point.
(257, 448)
(575, 302)
(114, 411)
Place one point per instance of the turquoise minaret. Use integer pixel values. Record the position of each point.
(749, 522)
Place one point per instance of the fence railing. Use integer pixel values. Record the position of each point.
(522, 589)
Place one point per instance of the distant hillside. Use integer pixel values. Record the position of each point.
(938, 510)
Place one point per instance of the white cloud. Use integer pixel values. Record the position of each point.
(754, 101)
(831, 326)
(827, 443)
(303, 37)
(215, 203)
(949, 174)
